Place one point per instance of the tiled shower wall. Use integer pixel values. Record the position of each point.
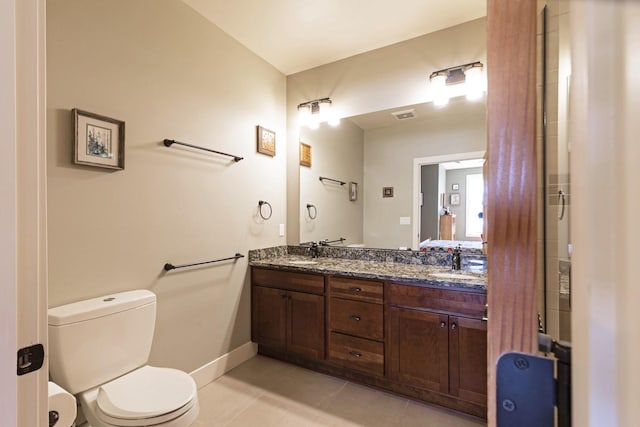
(557, 263)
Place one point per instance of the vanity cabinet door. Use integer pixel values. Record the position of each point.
(305, 329)
(468, 359)
(268, 317)
(419, 348)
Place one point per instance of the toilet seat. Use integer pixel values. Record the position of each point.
(146, 396)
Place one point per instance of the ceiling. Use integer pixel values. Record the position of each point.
(296, 35)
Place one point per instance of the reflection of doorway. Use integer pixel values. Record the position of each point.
(418, 201)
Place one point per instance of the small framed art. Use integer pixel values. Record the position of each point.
(387, 191)
(455, 199)
(266, 141)
(455, 187)
(305, 155)
(98, 140)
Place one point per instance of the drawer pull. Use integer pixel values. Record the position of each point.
(453, 326)
(355, 317)
(355, 354)
(355, 289)
(443, 324)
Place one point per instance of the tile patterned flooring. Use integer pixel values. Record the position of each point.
(268, 393)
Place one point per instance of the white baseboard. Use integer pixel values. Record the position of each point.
(223, 364)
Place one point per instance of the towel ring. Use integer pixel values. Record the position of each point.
(315, 211)
(262, 203)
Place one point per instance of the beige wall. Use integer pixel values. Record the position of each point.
(389, 154)
(384, 78)
(604, 129)
(168, 73)
(338, 153)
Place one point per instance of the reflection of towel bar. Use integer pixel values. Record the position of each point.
(169, 266)
(324, 178)
(327, 242)
(169, 142)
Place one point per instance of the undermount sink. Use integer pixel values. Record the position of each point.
(303, 262)
(453, 276)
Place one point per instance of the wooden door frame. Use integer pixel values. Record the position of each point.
(511, 202)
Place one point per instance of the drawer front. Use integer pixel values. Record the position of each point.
(469, 304)
(302, 282)
(356, 353)
(358, 318)
(364, 290)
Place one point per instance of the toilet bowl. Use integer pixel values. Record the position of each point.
(98, 351)
(148, 396)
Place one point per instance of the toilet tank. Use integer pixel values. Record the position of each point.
(94, 341)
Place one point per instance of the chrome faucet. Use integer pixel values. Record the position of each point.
(314, 249)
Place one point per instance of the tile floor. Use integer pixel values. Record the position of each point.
(267, 393)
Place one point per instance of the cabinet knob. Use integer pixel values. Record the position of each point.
(443, 324)
(355, 354)
(453, 326)
(355, 289)
(355, 317)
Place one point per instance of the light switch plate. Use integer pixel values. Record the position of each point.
(281, 230)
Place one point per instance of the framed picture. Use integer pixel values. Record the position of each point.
(353, 191)
(266, 141)
(387, 191)
(455, 199)
(98, 140)
(455, 187)
(305, 154)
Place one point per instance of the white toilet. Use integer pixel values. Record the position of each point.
(98, 350)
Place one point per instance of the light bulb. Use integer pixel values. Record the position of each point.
(314, 123)
(304, 115)
(439, 90)
(474, 84)
(325, 111)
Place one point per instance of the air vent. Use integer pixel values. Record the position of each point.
(404, 115)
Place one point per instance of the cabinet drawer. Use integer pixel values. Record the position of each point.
(302, 282)
(355, 317)
(357, 353)
(364, 290)
(469, 304)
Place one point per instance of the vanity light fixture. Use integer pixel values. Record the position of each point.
(312, 113)
(468, 74)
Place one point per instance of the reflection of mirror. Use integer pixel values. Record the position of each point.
(380, 150)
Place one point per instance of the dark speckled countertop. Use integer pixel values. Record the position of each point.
(392, 271)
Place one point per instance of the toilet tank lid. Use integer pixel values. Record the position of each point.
(99, 307)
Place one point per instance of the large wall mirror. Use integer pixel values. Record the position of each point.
(393, 174)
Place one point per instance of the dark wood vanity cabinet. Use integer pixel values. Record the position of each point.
(287, 312)
(356, 324)
(437, 341)
(425, 342)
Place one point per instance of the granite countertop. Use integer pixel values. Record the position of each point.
(406, 273)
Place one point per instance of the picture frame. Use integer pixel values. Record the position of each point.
(455, 199)
(266, 141)
(387, 191)
(305, 155)
(98, 140)
(353, 191)
(455, 187)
